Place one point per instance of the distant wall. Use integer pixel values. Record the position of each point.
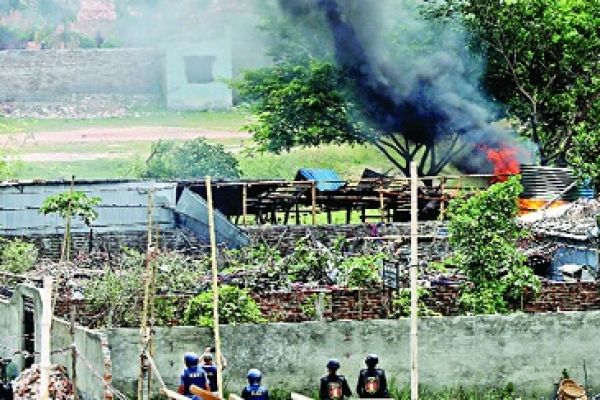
(50, 74)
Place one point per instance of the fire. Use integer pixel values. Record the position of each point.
(527, 206)
(504, 160)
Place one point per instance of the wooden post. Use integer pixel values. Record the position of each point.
(74, 350)
(143, 392)
(381, 202)
(244, 204)
(442, 197)
(215, 286)
(313, 194)
(414, 294)
(45, 339)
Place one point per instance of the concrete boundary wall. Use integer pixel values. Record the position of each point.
(529, 350)
(91, 345)
(480, 351)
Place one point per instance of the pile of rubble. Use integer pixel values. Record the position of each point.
(27, 385)
(82, 107)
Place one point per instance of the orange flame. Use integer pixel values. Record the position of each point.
(527, 206)
(505, 162)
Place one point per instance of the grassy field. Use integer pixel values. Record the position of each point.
(218, 121)
(121, 159)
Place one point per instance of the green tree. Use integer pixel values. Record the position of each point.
(46, 21)
(236, 306)
(542, 64)
(190, 159)
(71, 204)
(484, 237)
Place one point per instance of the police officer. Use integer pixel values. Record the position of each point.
(211, 372)
(372, 382)
(254, 390)
(334, 386)
(192, 375)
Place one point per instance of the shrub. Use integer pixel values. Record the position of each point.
(235, 306)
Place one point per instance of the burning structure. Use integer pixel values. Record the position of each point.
(425, 101)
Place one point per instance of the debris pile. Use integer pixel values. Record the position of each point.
(27, 384)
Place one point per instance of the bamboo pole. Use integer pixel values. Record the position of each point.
(143, 389)
(152, 307)
(414, 262)
(45, 339)
(215, 286)
(73, 350)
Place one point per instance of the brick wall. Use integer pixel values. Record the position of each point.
(49, 246)
(51, 75)
(344, 303)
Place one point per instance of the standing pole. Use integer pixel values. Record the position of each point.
(313, 195)
(215, 286)
(244, 204)
(143, 391)
(73, 350)
(45, 339)
(414, 295)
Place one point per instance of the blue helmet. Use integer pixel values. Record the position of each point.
(333, 364)
(371, 360)
(254, 376)
(191, 359)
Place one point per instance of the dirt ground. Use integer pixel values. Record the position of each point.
(107, 135)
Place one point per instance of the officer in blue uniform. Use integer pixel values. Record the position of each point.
(334, 386)
(372, 383)
(192, 375)
(211, 372)
(254, 391)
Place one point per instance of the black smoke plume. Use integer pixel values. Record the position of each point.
(422, 96)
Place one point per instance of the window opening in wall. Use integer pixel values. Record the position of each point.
(28, 330)
(199, 69)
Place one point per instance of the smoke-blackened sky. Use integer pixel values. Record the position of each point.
(414, 76)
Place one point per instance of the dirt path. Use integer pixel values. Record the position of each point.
(107, 135)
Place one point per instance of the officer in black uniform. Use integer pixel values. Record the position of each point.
(334, 386)
(372, 383)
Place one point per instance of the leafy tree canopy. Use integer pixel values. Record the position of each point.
(71, 204)
(190, 159)
(40, 20)
(542, 64)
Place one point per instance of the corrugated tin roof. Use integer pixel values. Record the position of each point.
(193, 211)
(327, 179)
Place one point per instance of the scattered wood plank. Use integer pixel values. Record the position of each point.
(205, 394)
(173, 395)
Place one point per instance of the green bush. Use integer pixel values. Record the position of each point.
(17, 256)
(235, 306)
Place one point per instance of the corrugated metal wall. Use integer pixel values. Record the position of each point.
(124, 206)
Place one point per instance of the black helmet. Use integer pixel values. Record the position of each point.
(333, 364)
(191, 359)
(371, 360)
(254, 376)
